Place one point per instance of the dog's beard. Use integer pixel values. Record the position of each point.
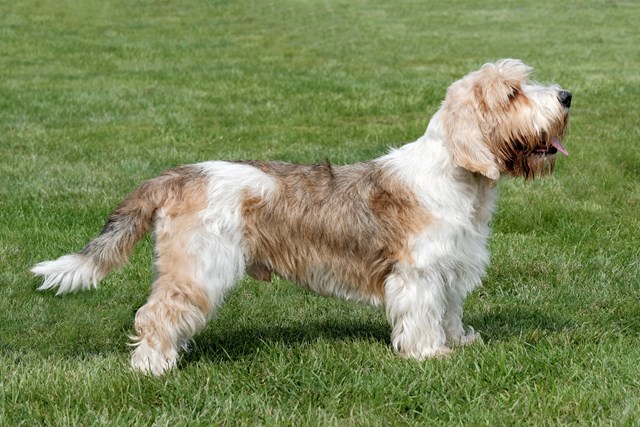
(536, 158)
(532, 165)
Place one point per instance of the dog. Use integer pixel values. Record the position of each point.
(407, 231)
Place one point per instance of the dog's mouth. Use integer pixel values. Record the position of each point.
(551, 149)
(537, 157)
(550, 144)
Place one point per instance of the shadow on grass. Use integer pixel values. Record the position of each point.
(218, 344)
(242, 342)
(511, 322)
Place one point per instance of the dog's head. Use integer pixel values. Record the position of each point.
(496, 121)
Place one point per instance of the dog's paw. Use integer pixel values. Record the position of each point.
(426, 353)
(149, 360)
(464, 338)
(470, 337)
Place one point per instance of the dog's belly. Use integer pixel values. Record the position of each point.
(349, 273)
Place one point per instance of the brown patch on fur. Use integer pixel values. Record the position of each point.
(345, 225)
(177, 223)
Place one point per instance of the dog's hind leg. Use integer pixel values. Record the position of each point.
(194, 270)
(176, 310)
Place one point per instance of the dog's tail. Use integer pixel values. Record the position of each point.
(127, 224)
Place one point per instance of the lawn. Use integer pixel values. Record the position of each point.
(97, 96)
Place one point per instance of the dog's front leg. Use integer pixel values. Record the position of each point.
(415, 305)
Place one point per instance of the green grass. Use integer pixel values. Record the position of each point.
(96, 96)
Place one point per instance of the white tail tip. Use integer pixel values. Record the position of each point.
(68, 273)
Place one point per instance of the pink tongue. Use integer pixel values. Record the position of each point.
(560, 147)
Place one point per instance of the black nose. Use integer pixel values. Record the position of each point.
(565, 98)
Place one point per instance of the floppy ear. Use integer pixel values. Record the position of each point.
(461, 130)
(497, 83)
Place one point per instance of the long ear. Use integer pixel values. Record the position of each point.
(460, 121)
(496, 84)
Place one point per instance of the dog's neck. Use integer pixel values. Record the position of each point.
(449, 192)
